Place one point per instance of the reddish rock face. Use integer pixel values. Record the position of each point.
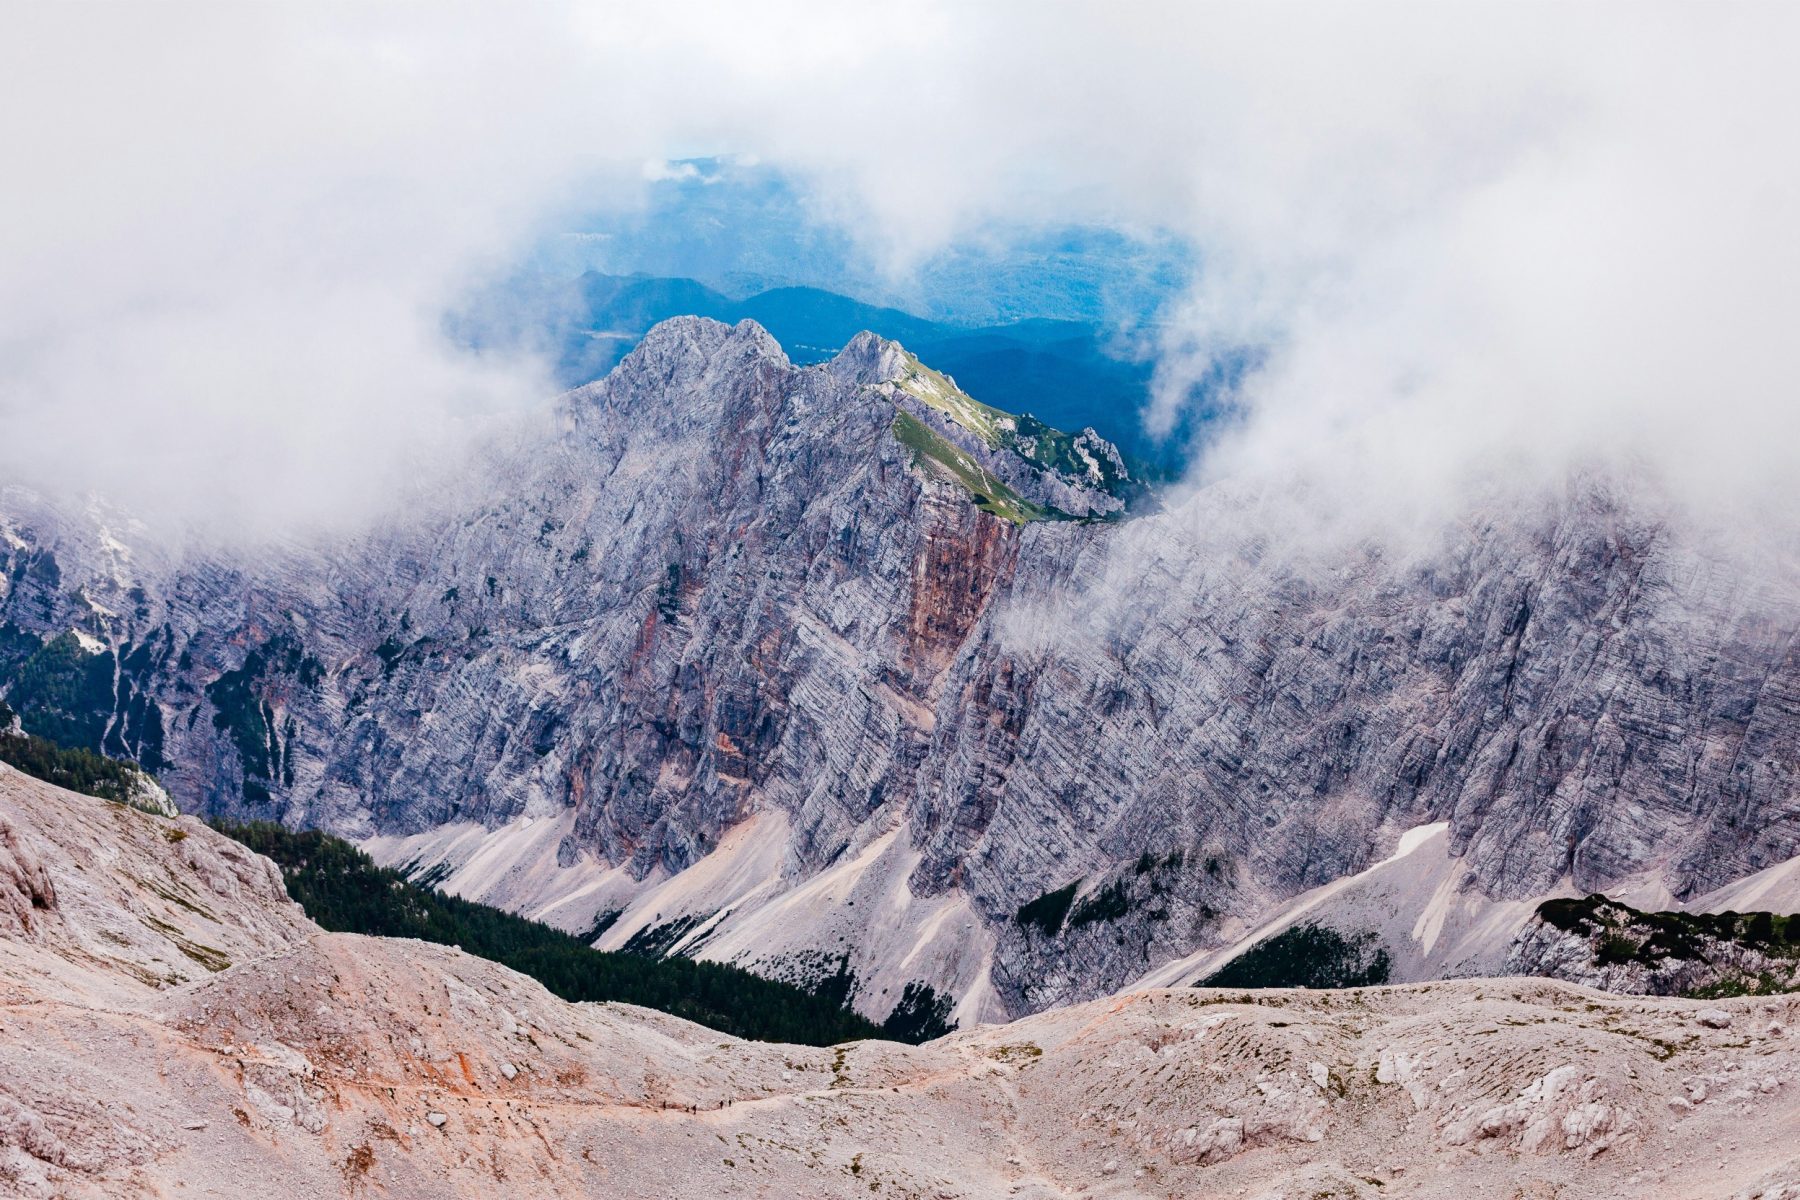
(963, 558)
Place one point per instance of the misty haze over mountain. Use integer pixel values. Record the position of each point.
(1189, 599)
(1464, 231)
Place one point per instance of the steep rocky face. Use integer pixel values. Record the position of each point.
(829, 634)
(1583, 697)
(622, 629)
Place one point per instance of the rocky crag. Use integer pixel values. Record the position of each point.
(1605, 944)
(790, 666)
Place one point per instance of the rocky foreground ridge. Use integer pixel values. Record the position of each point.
(787, 664)
(170, 1024)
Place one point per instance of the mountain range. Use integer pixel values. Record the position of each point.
(833, 667)
(742, 227)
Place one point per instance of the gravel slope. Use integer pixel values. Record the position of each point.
(321, 1065)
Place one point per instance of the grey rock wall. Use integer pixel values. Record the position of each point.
(719, 584)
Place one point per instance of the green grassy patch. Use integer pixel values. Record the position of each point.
(933, 388)
(989, 493)
(1042, 445)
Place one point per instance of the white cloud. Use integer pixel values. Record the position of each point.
(1471, 241)
(659, 170)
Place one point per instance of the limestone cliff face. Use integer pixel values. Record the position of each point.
(723, 586)
(1582, 697)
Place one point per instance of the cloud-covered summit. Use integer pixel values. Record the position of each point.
(1464, 243)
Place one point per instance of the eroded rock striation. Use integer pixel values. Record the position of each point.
(836, 663)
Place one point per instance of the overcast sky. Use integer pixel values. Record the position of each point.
(1472, 243)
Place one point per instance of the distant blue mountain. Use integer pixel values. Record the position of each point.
(1020, 315)
(743, 228)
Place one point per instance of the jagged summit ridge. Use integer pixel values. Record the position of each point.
(1010, 464)
(868, 359)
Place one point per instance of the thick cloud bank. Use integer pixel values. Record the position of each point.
(1463, 245)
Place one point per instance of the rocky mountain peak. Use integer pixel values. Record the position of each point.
(868, 359)
(683, 349)
(708, 338)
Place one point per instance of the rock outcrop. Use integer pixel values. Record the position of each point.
(817, 663)
(1605, 944)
